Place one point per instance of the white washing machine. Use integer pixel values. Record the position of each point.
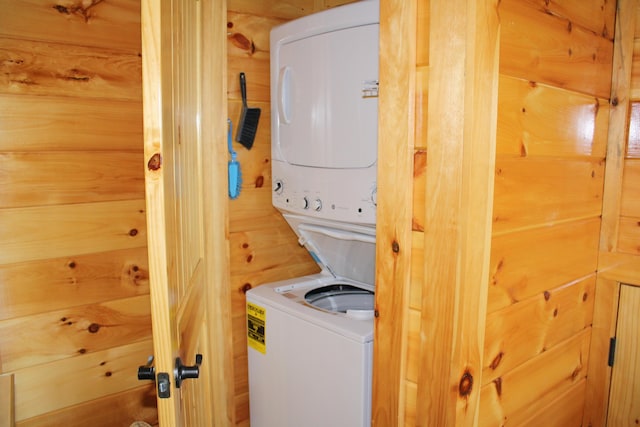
(310, 339)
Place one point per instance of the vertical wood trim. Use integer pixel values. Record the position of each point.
(461, 140)
(618, 127)
(216, 207)
(599, 373)
(394, 210)
(7, 404)
(153, 14)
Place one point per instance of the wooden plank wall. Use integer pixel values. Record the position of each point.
(552, 129)
(629, 228)
(619, 257)
(555, 77)
(263, 247)
(74, 295)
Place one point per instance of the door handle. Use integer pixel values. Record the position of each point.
(182, 372)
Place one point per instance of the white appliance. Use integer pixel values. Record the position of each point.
(324, 109)
(310, 339)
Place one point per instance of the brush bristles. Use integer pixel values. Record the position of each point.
(249, 127)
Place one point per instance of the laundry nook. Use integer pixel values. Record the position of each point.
(319, 213)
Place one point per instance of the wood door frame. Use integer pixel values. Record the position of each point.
(216, 207)
(461, 139)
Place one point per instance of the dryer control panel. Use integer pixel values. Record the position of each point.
(340, 195)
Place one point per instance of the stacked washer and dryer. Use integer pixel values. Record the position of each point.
(310, 339)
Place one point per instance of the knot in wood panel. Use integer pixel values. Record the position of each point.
(466, 384)
(242, 42)
(82, 10)
(155, 162)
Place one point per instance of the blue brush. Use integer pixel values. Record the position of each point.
(235, 177)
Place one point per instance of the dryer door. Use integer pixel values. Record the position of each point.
(327, 105)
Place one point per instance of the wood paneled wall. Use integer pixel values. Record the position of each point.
(553, 89)
(263, 247)
(555, 78)
(74, 305)
(619, 257)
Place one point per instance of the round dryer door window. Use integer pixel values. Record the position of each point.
(340, 298)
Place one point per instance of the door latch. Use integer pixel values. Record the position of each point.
(163, 381)
(183, 372)
(148, 372)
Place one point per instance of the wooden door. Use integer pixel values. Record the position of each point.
(184, 83)
(624, 406)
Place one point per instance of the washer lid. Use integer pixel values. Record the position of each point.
(342, 252)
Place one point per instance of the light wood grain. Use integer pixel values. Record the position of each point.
(527, 329)
(248, 35)
(530, 262)
(413, 349)
(52, 284)
(75, 331)
(547, 49)
(545, 191)
(565, 411)
(621, 81)
(96, 23)
(624, 408)
(417, 272)
(393, 239)
(7, 401)
(39, 68)
(42, 232)
(137, 404)
(633, 142)
(597, 16)
(630, 191)
(541, 120)
(518, 395)
(288, 10)
(58, 178)
(461, 143)
(44, 123)
(629, 235)
(599, 373)
(619, 266)
(91, 376)
(634, 89)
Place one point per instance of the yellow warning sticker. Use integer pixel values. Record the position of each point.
(256, 324)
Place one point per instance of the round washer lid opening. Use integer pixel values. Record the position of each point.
(341, 298)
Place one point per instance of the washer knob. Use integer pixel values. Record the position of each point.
(304, 204)
(317, 205)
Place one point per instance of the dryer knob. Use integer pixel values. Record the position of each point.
(317, 205)
(304, 204)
